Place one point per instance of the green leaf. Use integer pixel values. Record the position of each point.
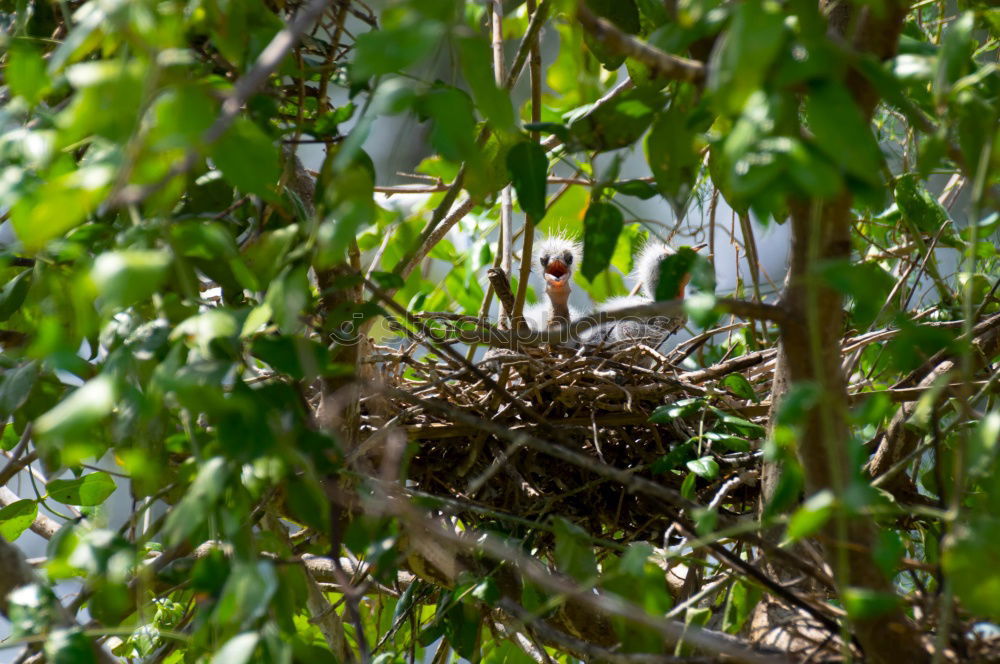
(916, 203)
(983, 445)
(123, 278)
(674, 458)
(865, 603)
(602, 224)
(624, 15)
(787, 492)
(754, 39)
(528, 167)
(842, 133)
(675, 270)
(700, 308)
(740, 603)
(573, 552)
(200, 498)
(26, 73)
(972, 562)
(248, 159)
(615, 124)
(16, 518)
(15, 387)
(300, 358)
(867, 284)
(687, 486)
(796, 402)
(13, 294)
(740, 386)
(393, 49)
(638, 188)
(237, 650)
(730, 442)
(705, 467)
(81, 410)
(673, 157)
(90, 489)
(955, 58)
(69, 646)
(453, 127)
(742, 426)
(682, 408)
(477, 68)
(812, 516)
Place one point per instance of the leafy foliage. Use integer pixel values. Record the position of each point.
(192, 319)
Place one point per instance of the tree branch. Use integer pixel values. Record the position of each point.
(661, 63)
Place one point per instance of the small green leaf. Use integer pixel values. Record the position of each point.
(248, 159)
(90, 489)
(237, 650)
(13, 294)
(625, 16)
(687, 486)
(731, 443)
(740, 386)
(123, 278)
(574, 554)
(673, 459)
(528, 168)
(393, 49)
(638, 188)
(602, 224)
(983, 444)
(16, 518)
(842, 133)
(705, 467)
(755, 38)
(69, 646)
(812, 516)
(682, 408)
(15, 388)
(742, 426)
(918, 206)
(84, 408)
(865, 603)
(673, 156)
(26, 73)
(613, 125)
(478, 71)
(739, 605)
(796, 402)
(675, 270)
(700, 308)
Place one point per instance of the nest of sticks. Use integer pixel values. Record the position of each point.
(543, 430)
(554, 430)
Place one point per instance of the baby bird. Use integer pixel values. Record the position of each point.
(646, 275)
(556, 258)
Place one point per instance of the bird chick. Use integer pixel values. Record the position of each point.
(646, 277)
(556, 257)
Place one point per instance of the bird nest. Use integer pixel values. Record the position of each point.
(549, 430)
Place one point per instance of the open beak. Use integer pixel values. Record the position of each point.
(556, 274)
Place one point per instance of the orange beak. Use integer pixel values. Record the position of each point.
(556, 275)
